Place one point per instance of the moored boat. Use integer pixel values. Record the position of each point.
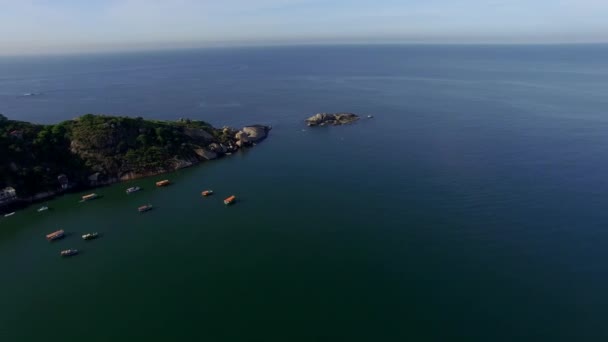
(145, 208)
(41, 209)
(230, 200)
(68, 252)
(55, 235)
(89, 197)
(90, 236)
(9, 214)
(207, 193)
(133, 189)
(163, 183)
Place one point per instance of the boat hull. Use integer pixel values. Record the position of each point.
(60, 234)
(90, 236)
(89, 197)
(163, 183)
(68, 253)
(143, 209)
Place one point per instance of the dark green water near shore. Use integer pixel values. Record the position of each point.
(471, 208)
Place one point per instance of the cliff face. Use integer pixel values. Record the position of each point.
(95, 150)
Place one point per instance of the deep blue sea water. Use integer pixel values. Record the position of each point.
(473, 207)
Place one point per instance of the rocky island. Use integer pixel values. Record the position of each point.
(40, 161)
(324, 119)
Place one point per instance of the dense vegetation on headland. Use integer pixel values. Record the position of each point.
(98, 149)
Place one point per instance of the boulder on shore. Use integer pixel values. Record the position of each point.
(251, 134)
(324, 119)
(206, 154)
(217, 148)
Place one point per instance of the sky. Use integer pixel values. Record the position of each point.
(56, 26)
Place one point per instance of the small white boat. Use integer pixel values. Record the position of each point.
(9, 214)
(90, 236)
(145, 208)
(68, 252)
(133, 189)
(370, 116)
(41, 209)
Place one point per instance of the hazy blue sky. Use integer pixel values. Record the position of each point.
(82, 25)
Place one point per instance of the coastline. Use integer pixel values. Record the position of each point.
(204, 143)
(93, 151)
(41, 197)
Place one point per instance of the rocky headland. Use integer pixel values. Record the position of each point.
(41, 161)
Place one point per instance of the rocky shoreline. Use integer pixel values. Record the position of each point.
(94, 151)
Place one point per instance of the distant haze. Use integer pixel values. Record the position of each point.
(67, 26)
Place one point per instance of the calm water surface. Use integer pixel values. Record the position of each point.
(471, 208)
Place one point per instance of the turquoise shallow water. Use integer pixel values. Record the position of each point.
(472, 207)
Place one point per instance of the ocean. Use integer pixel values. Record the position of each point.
(472, 207)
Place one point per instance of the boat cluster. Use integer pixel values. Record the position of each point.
(131, 190)
(60, 234)
(227, 201)
(41, 209)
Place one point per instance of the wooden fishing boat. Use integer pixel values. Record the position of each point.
(163, 183)
(89, 197)
(55, 235)
(230, 200)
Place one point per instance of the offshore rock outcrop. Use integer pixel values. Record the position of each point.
(324, 119)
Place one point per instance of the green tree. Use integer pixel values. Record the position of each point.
(143, 140)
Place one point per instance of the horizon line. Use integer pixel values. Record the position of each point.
(176, 46)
